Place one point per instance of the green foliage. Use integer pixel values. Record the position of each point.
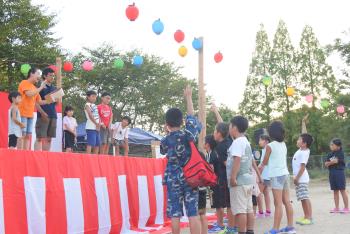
(25, 37)
(143, 93)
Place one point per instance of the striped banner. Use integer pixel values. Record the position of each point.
(43, 192)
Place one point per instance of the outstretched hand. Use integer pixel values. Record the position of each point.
(213, 107)
(188, 91)
(305, 118)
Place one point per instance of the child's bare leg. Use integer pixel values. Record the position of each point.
(230, 218)
(267, 198)
(195, 224)
(117, 152)
(220, 216)
(88, 149)
(26, 142)
(68, 150)
(242, 222)
(336, 198)
(288, 207)
(175, 225)
(204, 221)
(95, 149)
(250, 221)
(307, 208)
(277, 198)
(345, 198)
(260, 205)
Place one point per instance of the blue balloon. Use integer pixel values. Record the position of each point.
(158, 27)
(138, 61)
(197, 44)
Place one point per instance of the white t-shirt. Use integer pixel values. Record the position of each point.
(241, 148)
(94, 111)
(278, 159)
(70, 122)
(265, 172)
(120, 133)
(301, 156)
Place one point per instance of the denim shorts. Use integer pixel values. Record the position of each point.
(93, 138)
(28, 122)
(280, 182)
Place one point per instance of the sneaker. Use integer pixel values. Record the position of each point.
(260, 215)
(215, 228)
(334, 210)
(268, 213)
(272, 231)
(288, 230)
(305, 222)
(228, 230)
(298, 221)
(345, 211)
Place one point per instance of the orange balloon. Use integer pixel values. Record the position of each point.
(182, 51)
(290, 91)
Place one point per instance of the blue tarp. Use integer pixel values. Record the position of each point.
(136, 135)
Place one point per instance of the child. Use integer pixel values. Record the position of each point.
(221, 194)
(276, 159)
(240, 177)
(93, 124)
(301, 176)
(264, 186)
(120, 133)
(106, 116)
(176, 146)
(336, 165)
(15, 125)
(70, 129)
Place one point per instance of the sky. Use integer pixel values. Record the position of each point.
(226, 25)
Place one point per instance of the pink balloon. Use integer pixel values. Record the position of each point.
(309, 98)
(341, 109)
(87, 65)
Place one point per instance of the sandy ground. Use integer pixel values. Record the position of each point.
(324, 222)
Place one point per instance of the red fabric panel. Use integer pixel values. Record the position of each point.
(5, 105)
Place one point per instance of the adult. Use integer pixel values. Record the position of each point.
(46, 122)
(30, 96)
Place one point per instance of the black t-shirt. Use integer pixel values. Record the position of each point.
(340, 156)
(50, 109)
(219, 158)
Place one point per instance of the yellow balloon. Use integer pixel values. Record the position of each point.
(182, 51)
(290, 91)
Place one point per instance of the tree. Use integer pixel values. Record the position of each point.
(25, 37)
(143, 93)
(257, 98)
(316, 76)
(283, 68)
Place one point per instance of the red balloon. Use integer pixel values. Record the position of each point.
(53, 67)
(132, 12)
(68, 66)
(218, 57)
(179, 36)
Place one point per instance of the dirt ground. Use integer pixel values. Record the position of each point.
(324, 222)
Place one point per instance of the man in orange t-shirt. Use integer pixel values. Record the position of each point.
(30, 97)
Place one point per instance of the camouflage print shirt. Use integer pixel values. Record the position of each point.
(176, 146)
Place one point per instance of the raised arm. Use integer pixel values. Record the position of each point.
(215, 110)
(303, 124)
(188, 98)
(32, 93)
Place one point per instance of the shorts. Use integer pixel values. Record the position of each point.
(28, 122)
(221, 196)
(255, 202)
(337, 179)
(46, 129)
(104, 135)
(241, 199)
(280, 182)
(93, 138)
(180, 193)
(69, 139)
(13, 140)
(302, 191)
(202, 201)
(267, 183)
(118, 142)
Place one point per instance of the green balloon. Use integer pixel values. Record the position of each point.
(25, 69)
(324, 103)
(267, 80)
(118, 63)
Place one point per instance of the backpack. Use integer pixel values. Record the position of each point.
(197, 171)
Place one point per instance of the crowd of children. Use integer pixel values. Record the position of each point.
(241, 184)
